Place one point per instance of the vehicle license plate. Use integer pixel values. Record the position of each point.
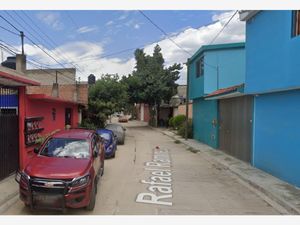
(48, 200)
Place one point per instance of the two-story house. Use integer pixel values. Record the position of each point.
(273, 78)
(221, 112)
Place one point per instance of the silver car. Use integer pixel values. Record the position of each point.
(118, 130)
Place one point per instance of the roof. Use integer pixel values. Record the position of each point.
(9, 77)
(247, 14)
(47, 98)
(232, 91)
(205, 48)
(74, 133)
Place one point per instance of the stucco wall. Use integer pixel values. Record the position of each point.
(204, 112)
(272, 56)
(276, 135)
(36, 108)
(230, 60)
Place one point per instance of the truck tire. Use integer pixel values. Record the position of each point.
(92, 203)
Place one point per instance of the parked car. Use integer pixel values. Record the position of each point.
(110, 142)
(118, 130)
(64, 172)
(123, 119)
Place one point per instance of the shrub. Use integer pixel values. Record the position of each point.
(181, 130)
(171, 120)
(178, 121)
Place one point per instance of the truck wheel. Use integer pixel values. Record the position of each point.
(92, 203)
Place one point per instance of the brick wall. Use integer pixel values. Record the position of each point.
(66, 92)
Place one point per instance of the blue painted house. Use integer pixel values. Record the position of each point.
(273, 78)
(213, 68)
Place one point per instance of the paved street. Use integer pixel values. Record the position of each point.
(198, 186)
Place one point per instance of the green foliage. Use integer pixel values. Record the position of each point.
(178, 121)
(151, 82)
(171, 124)
(182, 128)
(106, 96)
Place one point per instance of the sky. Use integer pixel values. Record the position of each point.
(101, 42)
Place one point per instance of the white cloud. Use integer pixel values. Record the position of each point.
(191, 39)
(137, 26)
(87, 29)
(109, 23)
(52, 19)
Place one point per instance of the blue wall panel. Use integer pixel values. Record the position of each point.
(277, 135)
(272, 54)
(203, 113)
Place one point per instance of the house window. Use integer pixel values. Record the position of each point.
(296, 23)
(200, 67)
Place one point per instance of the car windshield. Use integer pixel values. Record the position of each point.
(106, 136)
(68, 148)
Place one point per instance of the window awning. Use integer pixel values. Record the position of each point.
(234, 91)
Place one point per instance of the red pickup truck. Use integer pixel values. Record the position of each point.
(65, 171)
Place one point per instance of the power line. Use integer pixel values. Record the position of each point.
(30, 61)
(223, 27)
(33, 42)
(50, 42)
(9, 31)
(165, 33)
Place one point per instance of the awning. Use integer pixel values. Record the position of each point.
(8, 78)
(234, 91)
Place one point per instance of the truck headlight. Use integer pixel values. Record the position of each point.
(80, 181)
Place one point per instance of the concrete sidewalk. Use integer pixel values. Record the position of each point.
(9, 193)
(277, 192)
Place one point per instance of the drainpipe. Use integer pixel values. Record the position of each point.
(187, 101)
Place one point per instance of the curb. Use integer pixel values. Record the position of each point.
(290, 208)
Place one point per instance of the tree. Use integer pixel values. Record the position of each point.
(151, 82)
(106, 96)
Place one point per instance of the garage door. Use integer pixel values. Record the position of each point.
(235, 127)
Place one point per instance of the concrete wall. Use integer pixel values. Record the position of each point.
(276, 135)
(181, 110)
(204, 112)
(48, 76)
(272, 56)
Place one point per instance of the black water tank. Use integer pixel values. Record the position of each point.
(91, 79)
(10, 62)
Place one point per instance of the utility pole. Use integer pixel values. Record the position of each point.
(56, 76)
(217, 77)
(187, 100)
(22, 41)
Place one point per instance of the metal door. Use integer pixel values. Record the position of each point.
(235, 127)
(9, 132)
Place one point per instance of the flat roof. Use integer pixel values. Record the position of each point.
(205, 48)
(9, 77)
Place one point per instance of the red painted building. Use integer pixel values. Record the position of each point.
(48, 114)
(25, 116)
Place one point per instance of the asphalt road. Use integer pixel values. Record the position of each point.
(193, 185)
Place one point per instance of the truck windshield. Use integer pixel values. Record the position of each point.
(67, 148)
